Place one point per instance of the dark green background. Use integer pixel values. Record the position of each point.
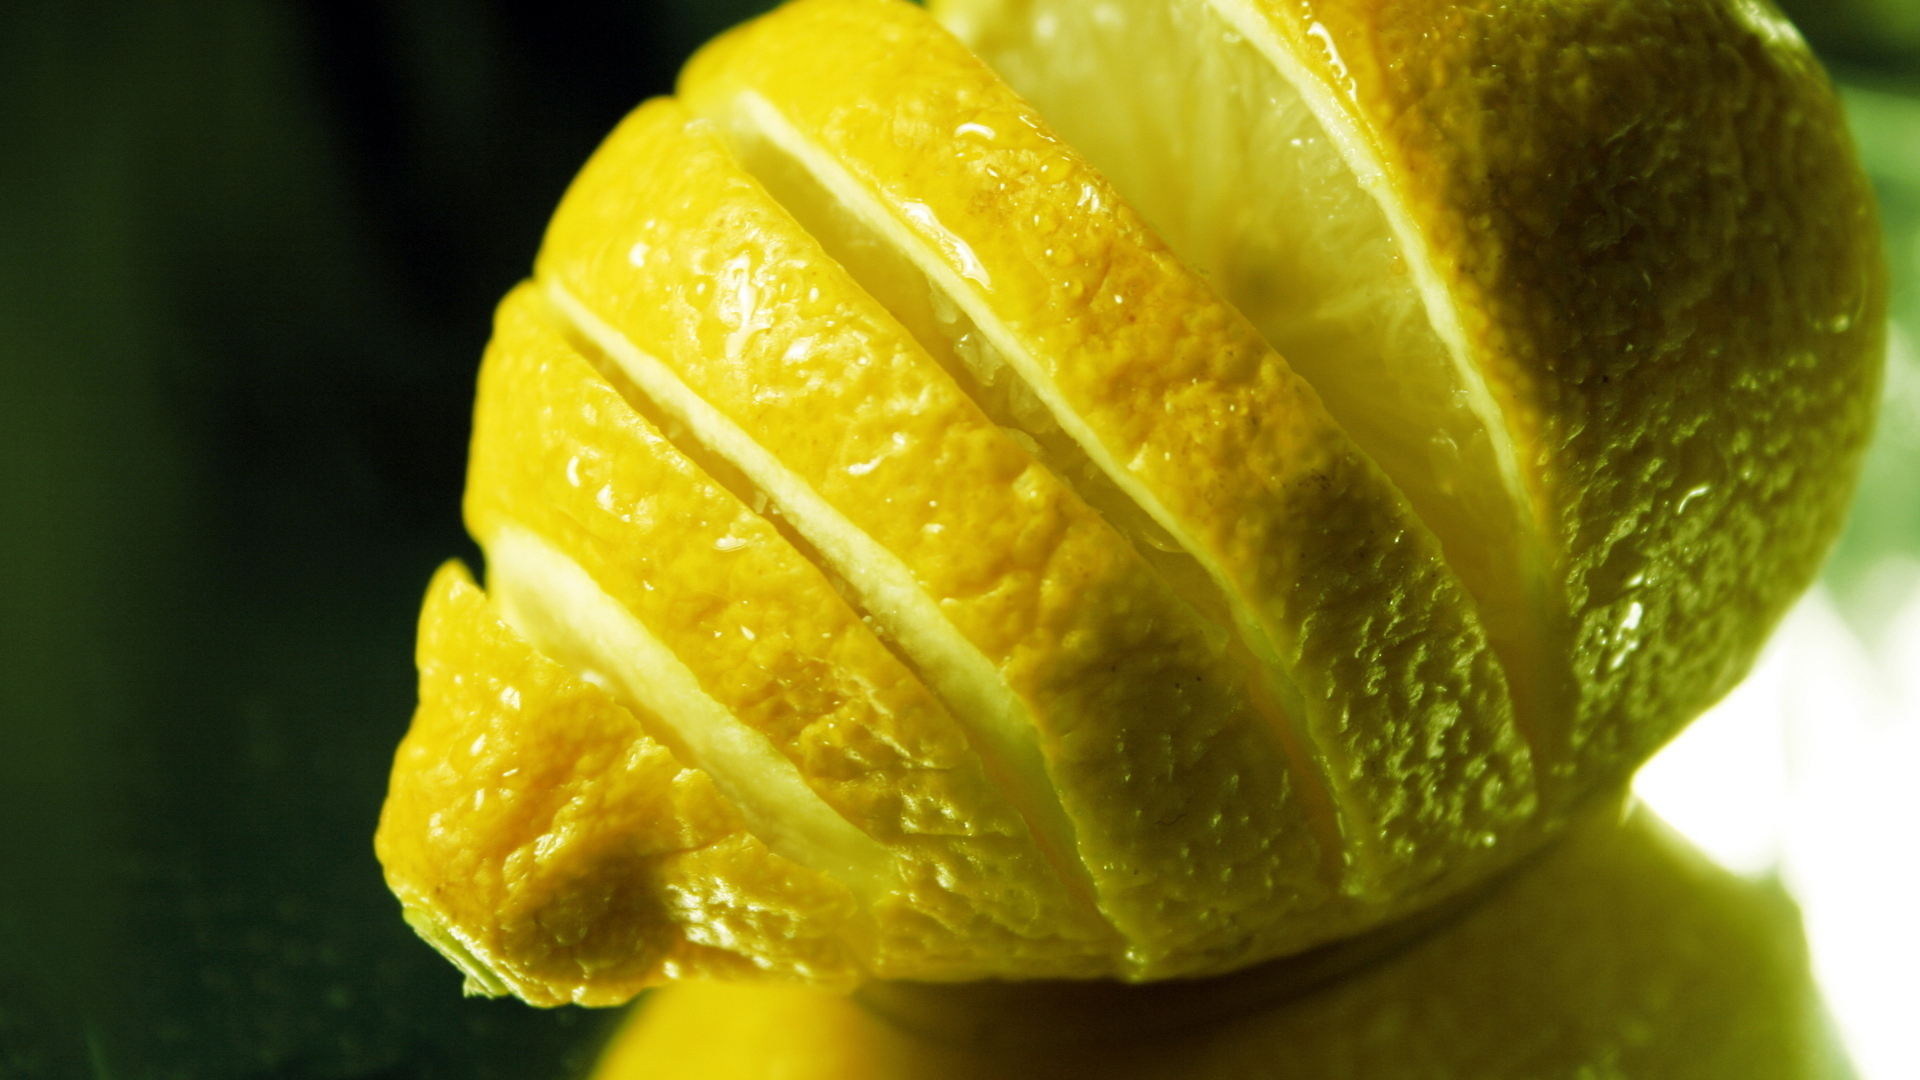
(248, 255)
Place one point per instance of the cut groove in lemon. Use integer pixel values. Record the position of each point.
(559, 450)
(1565, 271)
(899, 270)
(549, 600)
(875, 258)
(538, 837)
(964, 679)
(1216, 138)
(918, 282)
(715, 467)
(694, 273)
(1175, 401)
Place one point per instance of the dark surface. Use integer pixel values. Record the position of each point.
(248, 255)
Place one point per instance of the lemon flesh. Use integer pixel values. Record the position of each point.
(1571, 278)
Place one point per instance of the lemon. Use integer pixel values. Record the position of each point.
(1621, 953)
(1598, 285)
(864, 461)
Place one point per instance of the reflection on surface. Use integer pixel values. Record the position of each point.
(1622, 952)
(1805, 770)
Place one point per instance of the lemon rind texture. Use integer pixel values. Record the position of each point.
(1640, 227)
(888, 590)
(1689, 470)
(1275, 695)
(863, 749)
(1177, 400)
(921, 447)
(1312, 261)
(553, 603)
(840, 659)
(580, 876)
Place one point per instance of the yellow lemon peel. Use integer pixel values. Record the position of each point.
(977, 577)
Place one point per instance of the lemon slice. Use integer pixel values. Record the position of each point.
(1598, 285)
(1133, 374)
(540, 839)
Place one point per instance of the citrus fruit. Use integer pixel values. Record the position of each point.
(1017, 608)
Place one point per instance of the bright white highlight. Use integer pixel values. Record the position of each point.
(1809, 769)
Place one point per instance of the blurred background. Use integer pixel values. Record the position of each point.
(249, 251)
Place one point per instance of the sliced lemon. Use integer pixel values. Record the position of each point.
(1013, 607)
(1137, 378)
(1597, 284)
